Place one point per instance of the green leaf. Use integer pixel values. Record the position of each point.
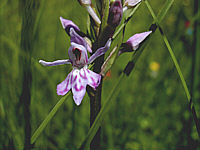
(48, 118)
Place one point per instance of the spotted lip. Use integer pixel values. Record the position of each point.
(77, 53)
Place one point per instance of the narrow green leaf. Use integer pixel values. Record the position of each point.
(191, 104)
(48, 118)
(109, 61)
(39, 14)
(105, 13)
(165, 9)
(170, 51)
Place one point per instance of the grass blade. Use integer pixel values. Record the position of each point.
(192, 108)
(48, 118)
(165, 9)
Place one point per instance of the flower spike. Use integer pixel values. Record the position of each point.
(80, 76)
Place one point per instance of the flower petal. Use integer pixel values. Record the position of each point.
(67, 24)
(83, 60)
(93, 79)
(93, 14)
(100, 51)
(89, 48)
(131, 3)
(55, 63)
(65, 86)
(78, 86)
(76, 38)
(136, 39)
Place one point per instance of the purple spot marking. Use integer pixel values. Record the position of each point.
(66, 87)
(71, 78)
(86, 60)
(83, 76)
(75, 78)
(88, 71)
(93, 82)
(76, 88)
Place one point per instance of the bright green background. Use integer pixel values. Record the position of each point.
(150, 112)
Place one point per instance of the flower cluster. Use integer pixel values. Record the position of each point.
(81, 76)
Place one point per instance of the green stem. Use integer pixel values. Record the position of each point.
(95, 126)
(48, 118)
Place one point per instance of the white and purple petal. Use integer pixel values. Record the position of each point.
(79, 59)
(55, 63)
(78, 86)
(65, 86)
(77, 80)
(93, 79)
(76, 38)
(82, 78)
(93, 14)
(67, 24)
(100, 51)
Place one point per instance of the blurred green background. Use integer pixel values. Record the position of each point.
(151, 110)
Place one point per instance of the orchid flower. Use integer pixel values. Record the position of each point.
(80, 76)
(133, 42)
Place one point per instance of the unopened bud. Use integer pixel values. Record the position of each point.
(115, 14)
(133, 42)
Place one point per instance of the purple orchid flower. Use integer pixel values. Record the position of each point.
(133, 42)
(67, 24)
(80, 76)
